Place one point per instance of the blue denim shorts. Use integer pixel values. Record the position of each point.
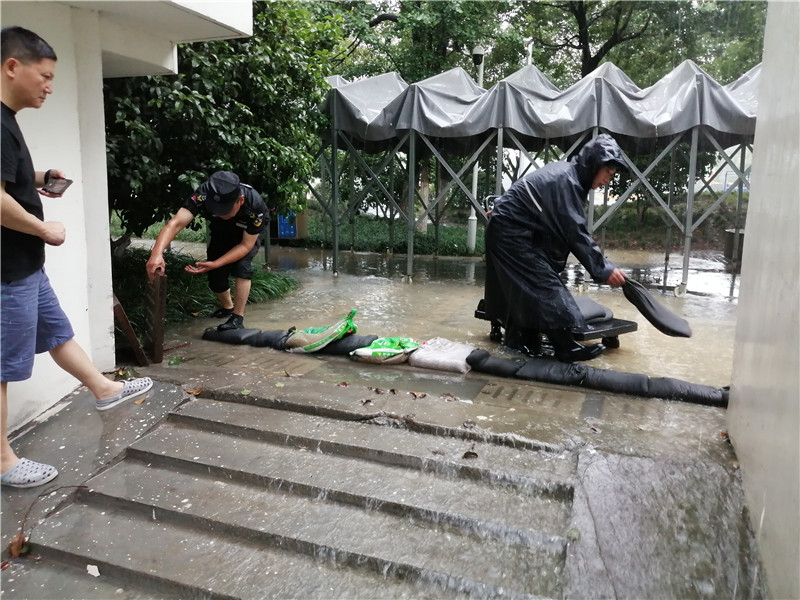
(32, 323)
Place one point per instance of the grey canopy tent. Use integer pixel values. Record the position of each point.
(448, 116)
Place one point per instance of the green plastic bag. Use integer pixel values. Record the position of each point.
(313, 339)
(391, 350)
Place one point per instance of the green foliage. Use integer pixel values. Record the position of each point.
(187, 295)
(367, 233)
(247, 105)
(185, 235)
(631, 228)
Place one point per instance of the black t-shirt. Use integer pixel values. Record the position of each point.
(251, 218)
(22, 253)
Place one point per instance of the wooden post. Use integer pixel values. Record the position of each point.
(156, 317)
(125, 325)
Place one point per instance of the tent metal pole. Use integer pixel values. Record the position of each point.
(668, 242)
(351, 210)
(687, 231)
(737, 221)
(335, 201)
(498, 172)
(412, 184)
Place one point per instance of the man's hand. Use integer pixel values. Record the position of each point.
(155, 265)
(200, 267)
(616, 279)
(53, 233)
(54, 173)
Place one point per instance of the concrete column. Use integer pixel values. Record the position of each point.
(764, 412)
(100, 294)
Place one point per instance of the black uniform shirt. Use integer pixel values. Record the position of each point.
(251, 218)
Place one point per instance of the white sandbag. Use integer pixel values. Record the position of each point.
(442, 355)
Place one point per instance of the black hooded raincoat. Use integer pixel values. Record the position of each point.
(533, 228)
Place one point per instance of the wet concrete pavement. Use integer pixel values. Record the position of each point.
(249, 472)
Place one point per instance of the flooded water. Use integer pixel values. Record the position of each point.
(440, 298)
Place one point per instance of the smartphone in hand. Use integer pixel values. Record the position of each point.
(56, 185)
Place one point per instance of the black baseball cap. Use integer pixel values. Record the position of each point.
(223, 192)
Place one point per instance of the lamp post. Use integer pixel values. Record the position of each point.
(472, 222)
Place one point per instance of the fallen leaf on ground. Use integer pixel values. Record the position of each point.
(18, 545)
(342, 384)
(291, 374)
(366, 401)
(174, 361)
(470, 454)
(245, 392)
(140, 400)
(418, 394)
(195, 392)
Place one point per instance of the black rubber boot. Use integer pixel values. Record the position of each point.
(526, 341)
(222, 313)
(568, 350)
(235, 322)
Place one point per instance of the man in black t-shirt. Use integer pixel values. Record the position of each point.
(32, 321)
(236, 215)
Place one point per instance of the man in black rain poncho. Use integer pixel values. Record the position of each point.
(532, 230)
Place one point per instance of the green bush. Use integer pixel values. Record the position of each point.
(373, 234)
(187, 295)
(198, 234)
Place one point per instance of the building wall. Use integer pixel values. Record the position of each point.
(764, 415)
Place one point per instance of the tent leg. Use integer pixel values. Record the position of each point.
(687, 240)
(335, 201)
(412, 184)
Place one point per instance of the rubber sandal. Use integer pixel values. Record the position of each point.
(132, 389)
(27, 473)
(222, 313)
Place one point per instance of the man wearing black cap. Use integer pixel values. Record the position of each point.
(236, 215)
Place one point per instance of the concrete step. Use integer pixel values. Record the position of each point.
(435, 554)
(235, 500)
(389, 441)
(198, 562)
(464, 503)
(36, 578)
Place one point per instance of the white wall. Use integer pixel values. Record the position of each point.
(764, 415)
(56, 134)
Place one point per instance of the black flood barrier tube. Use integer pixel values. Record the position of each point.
(481, 361)
(230, 336)
(546, 370)
(344, 346)
(276, 339)
(272, 338)
(659, 317)
(550, 371)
